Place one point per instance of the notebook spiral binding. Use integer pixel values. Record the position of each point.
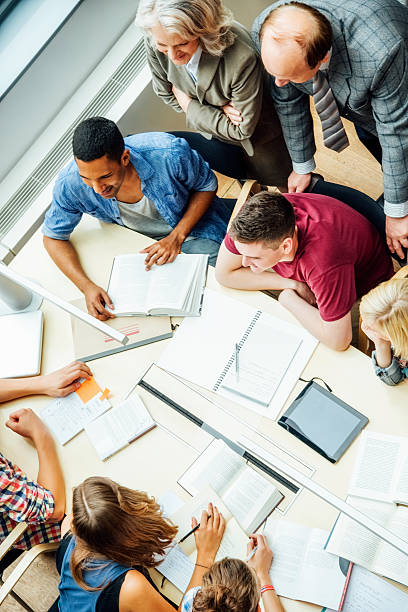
(240, 345)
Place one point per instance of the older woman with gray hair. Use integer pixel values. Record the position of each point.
(203, 64)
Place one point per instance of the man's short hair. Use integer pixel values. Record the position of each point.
(316, 42)
(266, 217)
(96, 137)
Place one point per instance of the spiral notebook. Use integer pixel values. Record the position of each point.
(247, 355)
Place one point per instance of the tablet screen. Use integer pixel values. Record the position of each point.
(325, 420)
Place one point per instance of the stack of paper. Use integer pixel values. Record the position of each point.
(301, 568)
(367, 592)
(67, 416)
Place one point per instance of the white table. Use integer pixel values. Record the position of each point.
(142, 464)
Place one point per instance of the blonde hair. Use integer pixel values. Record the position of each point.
(386, 307)
(230, 585)
(208, 20)
(118, 523)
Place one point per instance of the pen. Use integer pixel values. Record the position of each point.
(237, 363)
(191, 532)
(251, 554)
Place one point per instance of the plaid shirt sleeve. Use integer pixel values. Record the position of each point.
(22, 499)
(390, 110)
(25, 501)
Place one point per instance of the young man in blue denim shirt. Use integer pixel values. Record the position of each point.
(153, 183)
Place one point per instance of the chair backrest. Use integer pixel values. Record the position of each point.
(25, 560)
(401, 273)
(249, 188)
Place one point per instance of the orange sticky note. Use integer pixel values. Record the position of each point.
(88, 389)
(105, 394)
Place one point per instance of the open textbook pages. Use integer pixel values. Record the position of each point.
(178, 565)
(381, 470)
(356, 543)
(380, 478)
(272, 353)
(120, 426)
(174, 289)
(248, 496)
(67, 416)
(367, 592)
(301, 568)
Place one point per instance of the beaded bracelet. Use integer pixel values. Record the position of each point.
(266, 587)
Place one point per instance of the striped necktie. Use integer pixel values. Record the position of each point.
(334, 134)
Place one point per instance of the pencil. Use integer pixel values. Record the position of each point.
(190, 532)
(237, 363)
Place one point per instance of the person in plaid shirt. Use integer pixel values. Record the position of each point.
(39, 503)
(365, 63)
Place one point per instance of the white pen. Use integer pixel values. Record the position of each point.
(251, 554)
(237, 363)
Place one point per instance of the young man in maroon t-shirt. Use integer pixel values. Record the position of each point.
(324, 256)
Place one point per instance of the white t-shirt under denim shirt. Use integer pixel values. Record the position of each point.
(143, 217)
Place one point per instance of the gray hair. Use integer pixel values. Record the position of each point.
(208, 20)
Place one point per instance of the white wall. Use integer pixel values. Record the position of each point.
(51, 80)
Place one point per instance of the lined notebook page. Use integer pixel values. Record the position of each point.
(263, 360)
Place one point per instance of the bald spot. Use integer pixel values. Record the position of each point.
(282, 48)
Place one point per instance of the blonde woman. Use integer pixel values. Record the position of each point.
(203, 64)
(236, 586)
(115, 534)
(384, 313)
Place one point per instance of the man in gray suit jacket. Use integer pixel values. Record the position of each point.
(361, 48)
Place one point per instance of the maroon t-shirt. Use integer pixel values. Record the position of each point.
(340, 256)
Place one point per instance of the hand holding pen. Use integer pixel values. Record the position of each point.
(259, 556)
(208, 535)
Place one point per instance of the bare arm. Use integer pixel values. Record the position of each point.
(26, 423)
(58, 384)
(167, 249)
(63, 253)
(336, 335)
(230, 273)
(261, 562)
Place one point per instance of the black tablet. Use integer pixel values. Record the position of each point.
(323, 421)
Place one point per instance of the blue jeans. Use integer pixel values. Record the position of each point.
(205, 245)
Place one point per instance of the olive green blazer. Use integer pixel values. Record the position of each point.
(235, 76)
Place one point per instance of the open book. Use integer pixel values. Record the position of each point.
(248, 496)
(301, 568)
(380, 479)
(120, 426)
(258, 357)
(174, 289)
(367, 592)
(178, 565)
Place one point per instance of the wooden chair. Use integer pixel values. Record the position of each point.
(25, 561)
(366, 345)
(248, 189)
